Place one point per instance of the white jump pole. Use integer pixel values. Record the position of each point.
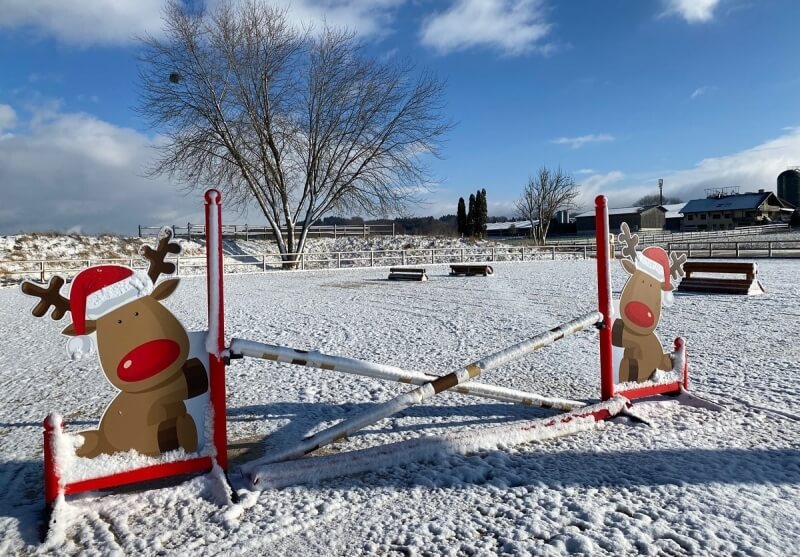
(282, 474)
(363, 368)
(428, 390)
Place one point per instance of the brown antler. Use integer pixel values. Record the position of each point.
(630, 241)
(676, 261)
(156, 256)
(50, 297)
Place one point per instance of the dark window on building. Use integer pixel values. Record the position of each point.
(715, 216)
(727, 215)
(690, 216)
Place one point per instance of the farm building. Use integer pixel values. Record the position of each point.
(638, 218)
(726, 212)
(509, 229)
(673, 217)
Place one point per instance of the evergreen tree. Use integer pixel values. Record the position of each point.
(483, 212)
(461, 217)
(471, 215)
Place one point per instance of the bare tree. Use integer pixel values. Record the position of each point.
(301, 123)
(546, 193)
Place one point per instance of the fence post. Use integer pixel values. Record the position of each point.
(403, 258)
(338, 260)
(302, 261)
(554, 252)
(492, 254)
(584, 251)
(392, 230)
(431, 256)
(462, 255)
(189, 230)
(235, 230)
(334, 231)
(737, 249)
(769, 246)
(140, 231)
(246, 232)
(41, 271)
(523, 253)
(371, 258)
(365, 230)
(177, 265)
(264, 263)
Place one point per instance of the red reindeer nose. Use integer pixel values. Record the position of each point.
(639, 314)
(148, 359)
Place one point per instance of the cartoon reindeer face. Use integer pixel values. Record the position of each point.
(641, 299)
(140, 344)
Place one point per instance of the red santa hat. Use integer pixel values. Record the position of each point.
(655, 262)
(95, 292)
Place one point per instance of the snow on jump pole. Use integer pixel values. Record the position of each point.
(429, 390)
(241, 347)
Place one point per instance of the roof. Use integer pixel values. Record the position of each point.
(728, 203)
(674, 210)
(620, 211)
(507, 225)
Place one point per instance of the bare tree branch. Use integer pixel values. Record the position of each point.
(303, 124)
(545, 194)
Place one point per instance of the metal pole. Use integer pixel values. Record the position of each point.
(429, 390)
(604, 296)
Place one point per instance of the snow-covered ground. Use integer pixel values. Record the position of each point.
(696, 482)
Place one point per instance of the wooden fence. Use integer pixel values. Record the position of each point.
(664, 237)
(248, 232)
(13, 271)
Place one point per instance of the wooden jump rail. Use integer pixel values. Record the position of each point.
(471, 269)
(749, 285)
(407, 273)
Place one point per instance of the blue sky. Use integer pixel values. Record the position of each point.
(702, 93)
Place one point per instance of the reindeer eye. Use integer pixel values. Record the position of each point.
(119, 321)
(136, 314)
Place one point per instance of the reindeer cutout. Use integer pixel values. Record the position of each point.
(646, 290)
(143, 350)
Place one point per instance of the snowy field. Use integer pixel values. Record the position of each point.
(695, 483)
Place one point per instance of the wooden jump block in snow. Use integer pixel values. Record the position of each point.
(471, 269)
(748, 285)
(407, 273)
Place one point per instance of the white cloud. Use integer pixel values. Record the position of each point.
(512, 26)
(8, 117)
(66, 171)
(750, 169)
(84, 22)
(580, 141)
(693, 11)
(365, 17)
(584, 171)
(89, 22)
(699, 91)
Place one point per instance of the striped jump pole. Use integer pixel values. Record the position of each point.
(430, 448)
(251, 349)
(431, 389)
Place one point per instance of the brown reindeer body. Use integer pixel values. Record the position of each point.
(143, 350)
(640, 306)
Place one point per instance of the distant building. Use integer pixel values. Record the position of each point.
(729, 211)
(638, 218)
(509, 229)
(789, 186)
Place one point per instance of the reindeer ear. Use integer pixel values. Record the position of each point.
(69, 330)
(629, 265)
(165, 289)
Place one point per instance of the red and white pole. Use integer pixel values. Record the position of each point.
(215, 343)
(604, 296)
(52, 427)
